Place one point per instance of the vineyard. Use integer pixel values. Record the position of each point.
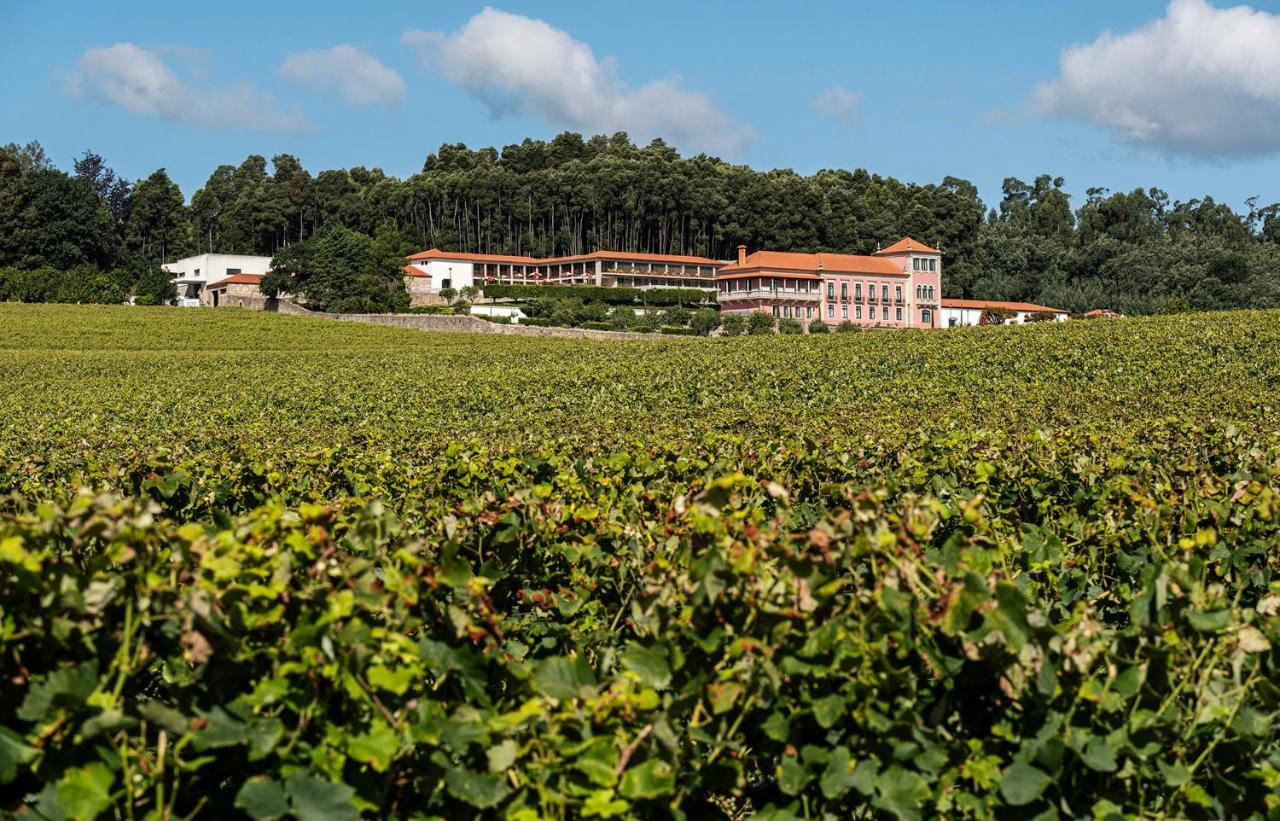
(265, 566)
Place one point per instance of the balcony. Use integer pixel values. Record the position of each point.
(769, 293)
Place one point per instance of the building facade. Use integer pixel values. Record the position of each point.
(455, 269)
(897, 287)
(193, 274)
(958, 312)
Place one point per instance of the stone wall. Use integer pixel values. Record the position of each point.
(456, 324)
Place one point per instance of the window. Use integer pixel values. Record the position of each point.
(844, 311)
(231, 271)
(831, 290)
(884, 292)
(197, 273)
(919, 291)
(831, 311)
(808, 313)
(915, 263)
(926, 316)
(844, 291)
(951, 322)
(786, 311)
(897, 293)
(857, 291)
(933, 265)
(775, 310)
(872, 313)
(898, 311)
(857, 312)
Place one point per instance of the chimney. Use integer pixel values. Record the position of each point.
(742, 255)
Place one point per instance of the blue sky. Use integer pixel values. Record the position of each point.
(975, 90)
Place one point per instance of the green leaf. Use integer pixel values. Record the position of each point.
(826, 711)
(85, 792)
(603, 804)
(264, 735)
(222, 730)
(64, 687)
(1099, 755)
(317, 800)
(477, 789)
(838, 778)
(777, 726)
(648, 663)
(262, 798)
(648, 780)
(501, 756)
(1213, 622)
(393, 681)
(376, 747)
(163, 715)
(792, 775)
(13, 752)
(564, 678)
(901, 792)
(724, 694)
(1022, 783)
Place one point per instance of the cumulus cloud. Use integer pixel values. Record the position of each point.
(840, 103)
(356, 77)
(520, 66)
(1198, 81)
(139, 81)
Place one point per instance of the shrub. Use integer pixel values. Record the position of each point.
(704, 321)
(677, 316)
(846, 327)
(1041, 316)
(644, 323)
(760, 323)
(818, 327)
(995, 316)
(590, 312)
(677, 331)
(787, 325)
(448, 294)
(733, 324)
(598, 326)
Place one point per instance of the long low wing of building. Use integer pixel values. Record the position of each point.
(897, 287)
(957, 312)
(456, 269)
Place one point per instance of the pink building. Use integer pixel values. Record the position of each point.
(898, 287)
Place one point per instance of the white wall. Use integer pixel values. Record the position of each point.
(192, 274)
(971, 316)
(459, 274)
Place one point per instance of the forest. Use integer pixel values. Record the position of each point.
(1136, 251)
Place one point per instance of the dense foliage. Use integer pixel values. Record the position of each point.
(342, 271)
(1133, 251)
(262, 564)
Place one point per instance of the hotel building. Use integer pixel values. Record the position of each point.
(897, 287)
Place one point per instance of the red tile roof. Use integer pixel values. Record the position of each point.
(905, 245)
(462, 256)
(238, 279)
(1102, 312)
(410, 271)
(1008, 306)
(814, 264)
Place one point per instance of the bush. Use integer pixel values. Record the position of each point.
(995, 316)
(787, 325)
(818, 327)
(598, 326)
(760, 323)
(704, 321)
(657, 297)
(644, 323)
(537, 321)
(590, 312)
(677, 331)
(733, 324)
(846, 327)
(1041, 316)
(448, 293)
(677, 316)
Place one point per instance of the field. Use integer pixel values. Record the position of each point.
(254, 564)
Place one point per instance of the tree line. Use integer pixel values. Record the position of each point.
(1134, 251)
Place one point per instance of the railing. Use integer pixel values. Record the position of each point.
(768, 293)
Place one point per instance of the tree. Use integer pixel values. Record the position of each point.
(733, 324)
(759, 323)
(817, 326)
(704, 321)
(156, 220)
(341, 271)
(155, 287)
(788, 325)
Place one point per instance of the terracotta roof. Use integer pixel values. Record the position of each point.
(907, 244)
(1008, 306)
(462, 256)
(410, 271)
(813, 264)
(1098, 312)
(238, 279)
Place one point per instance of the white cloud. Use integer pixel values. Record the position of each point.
(840, 103)
(139, 81)
(1199, 81)
(519, 66)
(347, 71)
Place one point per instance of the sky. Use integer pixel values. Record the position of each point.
(1183, 95)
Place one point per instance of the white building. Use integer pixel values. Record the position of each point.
(194, 274)
(956, 312)
(446, 270)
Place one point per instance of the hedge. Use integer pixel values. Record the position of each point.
(612, 296)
